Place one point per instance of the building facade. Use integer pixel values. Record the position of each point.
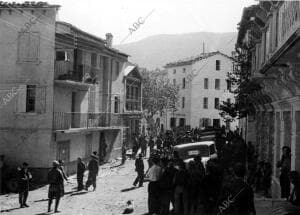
(269, 35)
(56, 90)
(203, 86)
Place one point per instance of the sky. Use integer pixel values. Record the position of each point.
(163, 16)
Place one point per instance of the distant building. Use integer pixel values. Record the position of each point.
(56, 85)
(203, 85)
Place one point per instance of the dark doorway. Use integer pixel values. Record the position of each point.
(102, 147)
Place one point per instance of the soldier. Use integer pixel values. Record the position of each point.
(93, 168)
(55, 180)
(23, 184)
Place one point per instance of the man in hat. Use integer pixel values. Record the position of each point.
(55, 180)
(23, 184)
(139, 168)
(93, 168)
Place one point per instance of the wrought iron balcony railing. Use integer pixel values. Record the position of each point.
(71, 120)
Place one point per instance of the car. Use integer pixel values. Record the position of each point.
(188, 151)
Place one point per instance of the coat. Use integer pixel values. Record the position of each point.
(93, 167)
(80, 169)
(23, 180)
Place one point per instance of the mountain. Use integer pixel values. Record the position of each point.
(158, 50)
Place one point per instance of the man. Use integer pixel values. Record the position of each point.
(80, 173)
(62, 170)
(154, 174)
(93, 168)
(55, 180)
(166, 185)
(23, 184)
(139, 168)
(237, 196)
(285, 165)
(151, 144)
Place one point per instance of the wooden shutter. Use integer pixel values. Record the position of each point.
(40, 100)
(23, 45)
(34, 47)
(22, 95)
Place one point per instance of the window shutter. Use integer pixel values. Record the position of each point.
(21, 102)
(40, 100)
(23, 45)
(34, 47)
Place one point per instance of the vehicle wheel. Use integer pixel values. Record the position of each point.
(12, 185)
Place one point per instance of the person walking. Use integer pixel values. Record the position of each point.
(80, 173)
(93, 168)
(55, 180)
(23, 184)
(285, 165)
(154, 174)
(62, 169)
(139, 168)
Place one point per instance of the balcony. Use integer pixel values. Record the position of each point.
(75, 120)
(133, 105)
(64, 70)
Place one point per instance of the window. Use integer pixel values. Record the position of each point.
(183, 83)
(217, 103)
(205, 122)
(172, 122)
(30, 98)
(174, 81)
(183, 70)
(174, 71)
(94, 59)
(218, 65)
(217, 84)
(183, 102)
(62, 56)
(182, 122)
(28, 47)
(117, 68)
(63, 150)
(216, 123)
(117, 102)
(228, 101)
(228, 85)
(205, 103)
(205, 83)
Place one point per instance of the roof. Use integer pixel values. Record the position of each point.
(130, 67)
(27, 4)
(188, 145)
(193, 59)
(91, 36)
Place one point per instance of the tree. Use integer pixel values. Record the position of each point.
(242, 87)
(159, 95)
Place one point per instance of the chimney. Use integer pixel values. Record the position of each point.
(109, 39)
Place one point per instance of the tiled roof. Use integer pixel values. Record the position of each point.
(193, 59)
(26, 4)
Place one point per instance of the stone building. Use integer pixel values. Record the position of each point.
(56, 85)
(269, 34)
(203, 85)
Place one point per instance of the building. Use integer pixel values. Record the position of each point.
(127, 100)
(203, 85)
(269, 35)
(56, 90)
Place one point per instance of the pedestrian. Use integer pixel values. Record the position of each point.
(55, 180)
(151, 144)
(267, 179)
(24, 177)
(237, 196)
(180, 180)
(285, 165)
(154, 174)
(93, 168)
(166, 186)
(139, 168)
(295, 195)
(80, 173)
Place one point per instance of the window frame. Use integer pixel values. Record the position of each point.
(218, 65)
(206, 83)
(217, 103)
(205, 103)
(217, 86)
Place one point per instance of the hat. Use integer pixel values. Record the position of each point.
(94, 156)
(55, 163)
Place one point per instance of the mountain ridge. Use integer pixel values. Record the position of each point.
(164, 48)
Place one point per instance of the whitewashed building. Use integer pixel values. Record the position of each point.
(203, 86)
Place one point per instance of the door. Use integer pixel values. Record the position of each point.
(63, 150)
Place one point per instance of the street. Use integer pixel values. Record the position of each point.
(114, 189)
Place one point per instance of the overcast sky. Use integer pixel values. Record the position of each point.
(168, 16)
